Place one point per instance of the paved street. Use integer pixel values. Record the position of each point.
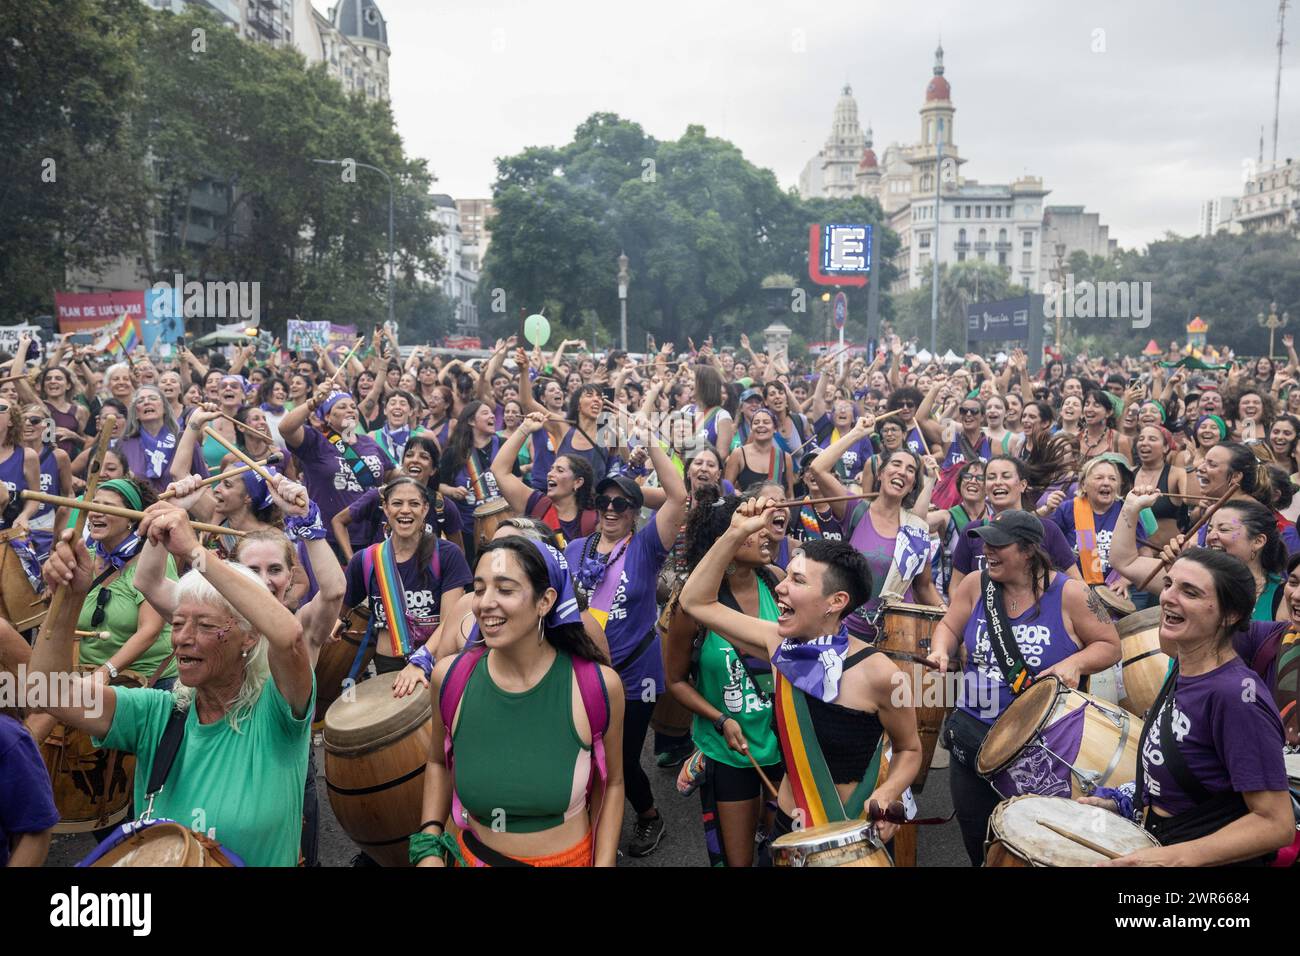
(683, 843)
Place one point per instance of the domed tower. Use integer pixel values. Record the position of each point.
(843, 149)
(868, 174)
(936, 123)
(362, 23)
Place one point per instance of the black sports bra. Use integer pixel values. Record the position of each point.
(848, 737)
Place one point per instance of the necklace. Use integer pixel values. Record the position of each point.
(591, 570)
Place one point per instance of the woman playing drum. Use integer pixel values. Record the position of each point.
(1212, 783)
(527, 757)
(412, 579)
(244, 698)
(1058, 627)
(828, 716)
(730, 700)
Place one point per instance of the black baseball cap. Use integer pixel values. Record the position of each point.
(624, 484)
(1010, 527)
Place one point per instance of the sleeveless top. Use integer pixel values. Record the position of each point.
(847, 737)
(1165, 507)
(748, 476)
(984, 450)
(1039, 633)
(915, 440)
(69, 421)
(597, 457)
(43, 520)
(879, 552)
(11, 474)
(520, 763)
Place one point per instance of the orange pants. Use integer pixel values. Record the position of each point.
(582, 853)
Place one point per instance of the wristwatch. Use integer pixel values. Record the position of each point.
(112, 671)
(717, 724)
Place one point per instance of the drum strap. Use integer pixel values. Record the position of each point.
(1163, 711)
(348, 453)
(163, 758)
(1006, 652)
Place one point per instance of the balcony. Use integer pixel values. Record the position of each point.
(1004, 246)
(982, 245)
(961, 246)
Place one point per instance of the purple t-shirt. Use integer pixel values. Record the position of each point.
(968, 553)
(1104, 524)
(852, 461)
(367, 514)
(634, 611)
(1248, 643)
(132, 452)
(423, 591)
(1228, 731)
(26, 799)
(330, 480)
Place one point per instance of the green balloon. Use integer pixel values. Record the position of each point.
(537, 330)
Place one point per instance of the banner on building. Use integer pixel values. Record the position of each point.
(88, 311)
(304, 336)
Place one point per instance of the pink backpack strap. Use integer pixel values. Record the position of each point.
(368, 564)
(595, 701)
(449, 697)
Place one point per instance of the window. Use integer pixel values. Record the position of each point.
(925, 240)
(997, 212)
(1002, 258)
(984, 236)
(961, 257)
(961, 235)
(988, 212)
(1002, 235)
(1027, 239)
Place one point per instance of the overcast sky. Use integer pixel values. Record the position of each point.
(1141, 132)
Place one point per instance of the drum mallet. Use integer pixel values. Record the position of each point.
(1191, 534)
(243, 456)
(1074, 837)
(130, 513)
(762, 776)
(214, 479)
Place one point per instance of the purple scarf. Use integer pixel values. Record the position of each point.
(158, 451)
(814, 666)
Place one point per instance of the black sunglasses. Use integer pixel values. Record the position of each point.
(620, 505)
(970, 411)
(101, 607)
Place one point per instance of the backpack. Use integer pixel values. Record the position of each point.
(595, 701)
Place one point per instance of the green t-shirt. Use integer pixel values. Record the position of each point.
(243, 789)
(723, 681)
(121, 618)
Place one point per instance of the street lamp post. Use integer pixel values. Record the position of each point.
(1059, 249)
(622, 300)
(387, 179)
(1273, 322)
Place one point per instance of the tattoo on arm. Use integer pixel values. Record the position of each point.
(1096, 606)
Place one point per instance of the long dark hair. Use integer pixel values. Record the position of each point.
(460, 443)
(570, 638)
(1051, 461)
(428, 538)
(584, 496)
(1254, 473)
(917, 482)
(426, 441)
(582, 390)
(1257, 520)
(1102, 398)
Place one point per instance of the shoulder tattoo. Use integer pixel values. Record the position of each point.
(1096, 606)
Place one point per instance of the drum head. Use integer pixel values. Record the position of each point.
(489, 508)
(1140, 621)
(369, 716)
(1020, 721)
(840, 833)
(1016, 823)
(919, 610)
(1116, 604)
(164, 844)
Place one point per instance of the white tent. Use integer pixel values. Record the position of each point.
(951, 358)
(924, 357)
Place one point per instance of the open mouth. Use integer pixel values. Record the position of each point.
(897, 484)
(186, 660)
(1171, 618)
(784, 611)
(405, 522)
(491, 624)
(415, 469)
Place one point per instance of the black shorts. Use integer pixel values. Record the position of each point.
(741, 783)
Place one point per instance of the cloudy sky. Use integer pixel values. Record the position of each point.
(1161, 117)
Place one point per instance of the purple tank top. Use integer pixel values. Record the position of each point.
(879, 552)
(69, 421)
(984, 450)
(11, 474)
(596, 457)
(1041, 637)
(49, 482)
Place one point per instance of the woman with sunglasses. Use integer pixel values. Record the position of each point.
(964, 435)
(130, 634)
(70, 417)
(56, 476)
(614, 571)
(760, 458)
(230, 399)
(896, 542)
(950, 523)
(20, 469)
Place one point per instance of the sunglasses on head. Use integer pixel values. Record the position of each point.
(620, 505)
(3, 407)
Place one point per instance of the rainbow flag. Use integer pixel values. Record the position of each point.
(393, 595)
(124, 339)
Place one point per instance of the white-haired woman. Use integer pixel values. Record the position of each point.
(246, 694)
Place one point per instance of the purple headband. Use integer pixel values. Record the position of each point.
(258, 493)
(565, 610)
(329, 403)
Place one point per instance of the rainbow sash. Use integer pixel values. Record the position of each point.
(1085, 533)
(393, 596)
(475, 472)
(815, 796)
(812, 528)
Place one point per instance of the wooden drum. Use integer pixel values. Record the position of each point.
(1018, 837)
(1144, 665)
(92, 787)
(162, 843)
(846, 843)
(334, 662)
(487, 518)
(906, 632)
(1057, 742)
(18, 599)
(376, 748)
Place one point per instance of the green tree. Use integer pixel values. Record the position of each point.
(960, 285)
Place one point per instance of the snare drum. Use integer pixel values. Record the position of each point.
(334, 662)
(376, 748)
(92, 786)
(1018, 838)
(906, 631)
(1144, 665)
(1054, 741)
(487, 518)
(160, 843)
(846, 843)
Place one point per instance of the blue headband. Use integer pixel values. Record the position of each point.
(329, 403)
(565, 610)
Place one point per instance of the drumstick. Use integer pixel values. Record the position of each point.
(99, 634)
(59, 597)
(232, 473)
(249, 429)
(762, 776)
(1094, 847)
(346, 359)
(882, 417)
(15, 378)
(1191, 534)
(822, 501)
(32, 621)
(117, 512)
(244, 457)
(909, 656)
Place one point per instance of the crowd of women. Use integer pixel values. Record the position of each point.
(569, 554)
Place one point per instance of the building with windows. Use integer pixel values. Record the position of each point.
(475, 214)
(1270, 201)
(832, 172)
(1067, 230)
(459, 279)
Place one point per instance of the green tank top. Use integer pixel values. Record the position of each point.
(1264, 604)
(722, 680)
(213, 452)
(520, 765)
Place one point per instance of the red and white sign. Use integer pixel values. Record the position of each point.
(84, 311)
(462, 342)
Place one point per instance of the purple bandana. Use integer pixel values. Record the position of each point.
(329, 403)
(814, 666)
(158, 450)
(258, 494)
(565, 609)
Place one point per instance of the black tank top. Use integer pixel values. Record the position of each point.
(848, 737)
(1165, 507)
(749, 476)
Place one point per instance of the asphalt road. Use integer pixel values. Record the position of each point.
(683, 842)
